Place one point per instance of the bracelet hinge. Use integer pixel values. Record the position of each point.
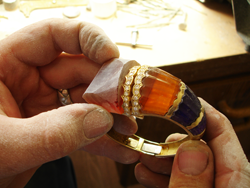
(146, 148)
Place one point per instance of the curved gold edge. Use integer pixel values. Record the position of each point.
(199, 136)
(149, 147)
(170, 149)
(177, 101)
(153, 148)
(197, 121)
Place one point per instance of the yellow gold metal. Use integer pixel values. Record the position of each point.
(170, 148)
(153, 148)
(148, 147)
(133, 84)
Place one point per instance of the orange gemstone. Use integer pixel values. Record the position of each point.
(159, 91)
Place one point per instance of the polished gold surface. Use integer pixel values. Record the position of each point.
(131, 105)
(149, 147)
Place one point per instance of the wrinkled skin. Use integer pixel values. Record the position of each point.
(220, 162)
(34, 128)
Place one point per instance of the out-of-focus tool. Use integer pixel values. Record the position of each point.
(88, 7)
(103, 8)
(10, 4)
(26, 7)
(183, 23)
(158, 12)
(71, 12)
(134, 39)
(241, 10)
(3, 17)
(161, 21)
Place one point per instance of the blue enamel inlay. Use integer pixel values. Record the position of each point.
(188, 110)
(200, 127)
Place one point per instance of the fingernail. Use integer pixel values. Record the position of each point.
(97, 123)
(192, 161)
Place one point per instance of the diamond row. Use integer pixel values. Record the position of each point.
(136, 90)
(126, 97)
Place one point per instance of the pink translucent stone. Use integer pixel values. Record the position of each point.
(107, 87)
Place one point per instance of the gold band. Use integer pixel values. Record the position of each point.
(149, 147)
(133, 107)
(139, 91)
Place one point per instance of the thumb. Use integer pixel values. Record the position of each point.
(193, 166)
(51, 135)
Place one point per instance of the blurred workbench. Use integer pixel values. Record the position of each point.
(210, 32)
(208, 56)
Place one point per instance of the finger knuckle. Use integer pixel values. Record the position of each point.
(57, 142)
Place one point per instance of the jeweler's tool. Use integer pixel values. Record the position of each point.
(3, 17)
(26, 7)
(88, 7)
(103, 9)
(134, 39)
(10, 5)
(162, 22)
(71, 12)
(183, 23)
(241, 9)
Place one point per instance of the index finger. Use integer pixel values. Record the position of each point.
(231, 164)
(40, 43)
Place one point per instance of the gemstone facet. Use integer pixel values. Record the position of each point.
(158, 92)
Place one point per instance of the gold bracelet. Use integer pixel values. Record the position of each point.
(125, 87)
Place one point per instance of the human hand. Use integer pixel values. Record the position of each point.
(219, 163)
(33, 129)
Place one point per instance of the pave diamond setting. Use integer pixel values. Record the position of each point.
(126, 97)
(132, 86)
(136, 90)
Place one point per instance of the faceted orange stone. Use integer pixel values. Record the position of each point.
(159, 91)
